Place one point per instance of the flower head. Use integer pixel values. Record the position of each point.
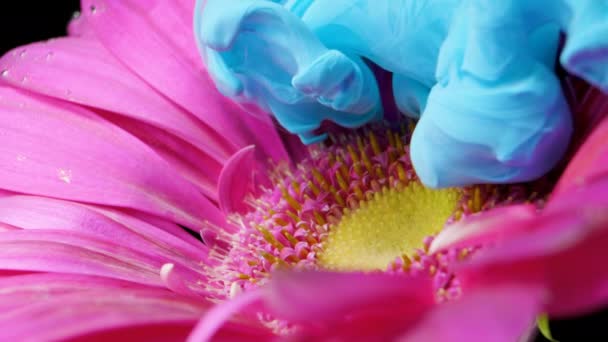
(116, 145)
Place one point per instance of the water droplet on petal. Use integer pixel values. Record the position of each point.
(49, 55)
(98, 7)
(4, 73)
(76, 15)
(22, 53)
(65, 175)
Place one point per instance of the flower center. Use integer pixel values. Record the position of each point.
(393, 222)
(355, 204)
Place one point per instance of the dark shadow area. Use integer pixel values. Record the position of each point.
(28, 21)
(589, 328)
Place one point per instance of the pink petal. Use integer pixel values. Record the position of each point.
(236, 181)
(219, 316)
(179, 279)
(543, 236)
(578, 278)
(590, 161)
(78, 27)
(7, 273)
(234, 332)
(59, 150)
(265, 136)
(127, 28)
(349, 304)
(91, 76)
(54, 307)
(559, 252)
(592, 194)
(483, 228)
(173, 19)
(589, 107)
(575, 272)
(34, 213)
(135, 218)
(494, 314)
(7, 227)
(23, 289)
(41, 307)
(149, 332)
(61, 251)
(187, 160)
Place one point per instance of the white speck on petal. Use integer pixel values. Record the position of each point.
(165, 270)
(65, 175)
(235, 290)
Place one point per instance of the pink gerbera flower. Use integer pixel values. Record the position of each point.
(483, 278)
(115, 144)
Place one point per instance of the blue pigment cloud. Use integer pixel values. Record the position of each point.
(478, 74)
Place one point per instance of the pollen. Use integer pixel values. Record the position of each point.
(393, 222)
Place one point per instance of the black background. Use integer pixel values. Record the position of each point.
(28, 21)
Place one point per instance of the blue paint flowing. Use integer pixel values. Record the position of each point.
(477, 74)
